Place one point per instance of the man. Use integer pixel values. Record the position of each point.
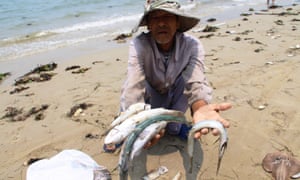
(166, 68)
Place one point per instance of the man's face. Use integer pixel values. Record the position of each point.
(162, 26)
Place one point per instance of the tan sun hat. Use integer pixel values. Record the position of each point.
(172, 6)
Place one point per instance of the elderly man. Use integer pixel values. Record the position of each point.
(166, 69)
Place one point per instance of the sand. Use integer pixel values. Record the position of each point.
(251, 62)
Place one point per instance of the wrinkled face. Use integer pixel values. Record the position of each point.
(162, 26)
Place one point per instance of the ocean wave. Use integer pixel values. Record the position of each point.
(26, 38)
(25, 49)
(98, 24)
(110, 24)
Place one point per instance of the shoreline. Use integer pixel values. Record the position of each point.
(253, 64)
(89, 49)
(92, 46)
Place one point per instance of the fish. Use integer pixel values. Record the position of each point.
(125, 155)
(207, 124)
(119, 133)
(282, 166)
(177, 176)
(146, 135)
(130, 111)
(155, 173)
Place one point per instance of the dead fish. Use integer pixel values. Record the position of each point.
(147, 134)
(130, 111)
(207, 124)
(177, 176)
(121, 131)
(155, 173)
(281, 166)
(124, 159)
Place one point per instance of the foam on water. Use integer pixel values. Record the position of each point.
(33, 26)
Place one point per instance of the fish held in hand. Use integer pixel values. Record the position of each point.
(125, 155)
(121, 131)
(208, 124)
(146, 135)
(130, 111)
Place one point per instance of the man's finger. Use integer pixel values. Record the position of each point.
(221, 106)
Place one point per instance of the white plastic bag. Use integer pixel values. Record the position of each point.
(67, 165)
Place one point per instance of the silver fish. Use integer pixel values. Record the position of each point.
(146, 135)
(121, 131)
(130, 111)
(296, 176)
(208, 124)
(124, 159)
(155, 173)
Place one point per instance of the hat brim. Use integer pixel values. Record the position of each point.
(186, 22)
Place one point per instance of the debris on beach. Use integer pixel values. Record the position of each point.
(81, 70)
(237, 38)
(279, 22)
(281, 165)
(38, 74)
(42, 68)
(294, 50)
(92, 136)
(96, 62)
(4, 75)
(259, 107)
(77, 69)
(38, 112)
(206, 36)
(78, 109)
(17, 114)
(34, 78)
(245, 14)
(211, 20)
(13, 113)
(18, 89)
(258, 50)
(154, 174)
(210, 28)
(122, 37)
(72, 67)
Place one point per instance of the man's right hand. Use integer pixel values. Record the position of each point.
(155, 139)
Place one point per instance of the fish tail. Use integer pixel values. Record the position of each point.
(191, 165)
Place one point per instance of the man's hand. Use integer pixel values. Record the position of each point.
(155, 139)
(209, 112)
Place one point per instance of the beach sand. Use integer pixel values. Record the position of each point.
(252, 62)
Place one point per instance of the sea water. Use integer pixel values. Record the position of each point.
(33, 26)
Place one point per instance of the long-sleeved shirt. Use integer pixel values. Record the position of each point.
(146, 64)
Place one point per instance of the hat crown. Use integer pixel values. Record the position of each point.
(161, 4)
(186, 22)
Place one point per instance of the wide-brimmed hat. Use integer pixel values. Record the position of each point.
(172, 6)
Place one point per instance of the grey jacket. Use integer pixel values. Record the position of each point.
(145, 64)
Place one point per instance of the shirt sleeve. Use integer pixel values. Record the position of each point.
(133, 89)
(197, 86)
